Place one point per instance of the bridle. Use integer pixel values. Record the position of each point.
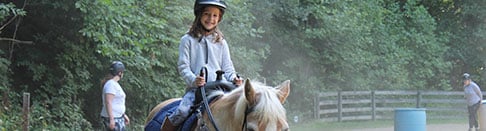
(248, 110)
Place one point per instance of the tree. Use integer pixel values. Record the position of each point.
(351, 45)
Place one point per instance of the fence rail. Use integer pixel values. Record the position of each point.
(372, 105)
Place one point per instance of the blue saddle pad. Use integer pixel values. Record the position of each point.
(156, 122)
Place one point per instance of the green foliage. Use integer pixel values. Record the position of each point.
(9, 9)
(48, 116)
(466, 26)
(353, 45)
(4, 73)
(56, 69)
(247, 53)
(10, 119)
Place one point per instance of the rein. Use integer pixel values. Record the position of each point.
(203, 90)
(205, 100)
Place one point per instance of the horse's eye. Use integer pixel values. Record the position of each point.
(286, 129)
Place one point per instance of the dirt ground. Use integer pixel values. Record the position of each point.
(431, 127)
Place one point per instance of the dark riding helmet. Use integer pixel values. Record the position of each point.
(466, 76)
(199, 5)
(116, 67)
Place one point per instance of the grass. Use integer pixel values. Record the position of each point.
(350, 125)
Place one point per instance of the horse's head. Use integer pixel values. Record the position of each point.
(252, 107)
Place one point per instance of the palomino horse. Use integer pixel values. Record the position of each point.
(231, 111)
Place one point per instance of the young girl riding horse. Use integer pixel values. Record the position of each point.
(202, 46)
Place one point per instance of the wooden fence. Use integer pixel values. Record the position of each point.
(372, 105)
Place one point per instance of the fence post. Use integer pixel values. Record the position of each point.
(340, 106)
(317, 107)
(25, 111)
(419, 99)
(373, 106)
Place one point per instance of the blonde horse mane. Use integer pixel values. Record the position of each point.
(267, 105)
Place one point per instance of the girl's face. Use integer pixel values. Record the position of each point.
(210, 17)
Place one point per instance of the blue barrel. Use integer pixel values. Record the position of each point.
(410, 119)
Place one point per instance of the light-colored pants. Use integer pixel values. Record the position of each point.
(184, 108)
(119, 124)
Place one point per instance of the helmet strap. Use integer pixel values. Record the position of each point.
(207, 31)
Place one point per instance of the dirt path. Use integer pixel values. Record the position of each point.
(431, 127)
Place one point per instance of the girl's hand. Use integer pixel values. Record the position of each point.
(237, 81)
(200, 81)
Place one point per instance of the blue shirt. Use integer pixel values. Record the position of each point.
(472, 93)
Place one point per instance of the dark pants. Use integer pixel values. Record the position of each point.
(119, 124)
(473, 115)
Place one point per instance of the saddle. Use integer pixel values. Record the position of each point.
(218, 85)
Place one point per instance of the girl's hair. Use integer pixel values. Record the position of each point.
(197, 29)
(104, 80)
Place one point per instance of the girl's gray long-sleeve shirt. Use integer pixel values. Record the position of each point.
(192, 57)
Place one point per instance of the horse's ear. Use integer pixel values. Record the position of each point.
(249, 93)
(283, 91)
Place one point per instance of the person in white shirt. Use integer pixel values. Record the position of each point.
(113, 97)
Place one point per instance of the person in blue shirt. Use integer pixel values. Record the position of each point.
(473, 96)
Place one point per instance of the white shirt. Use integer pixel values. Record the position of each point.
(118, 103)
